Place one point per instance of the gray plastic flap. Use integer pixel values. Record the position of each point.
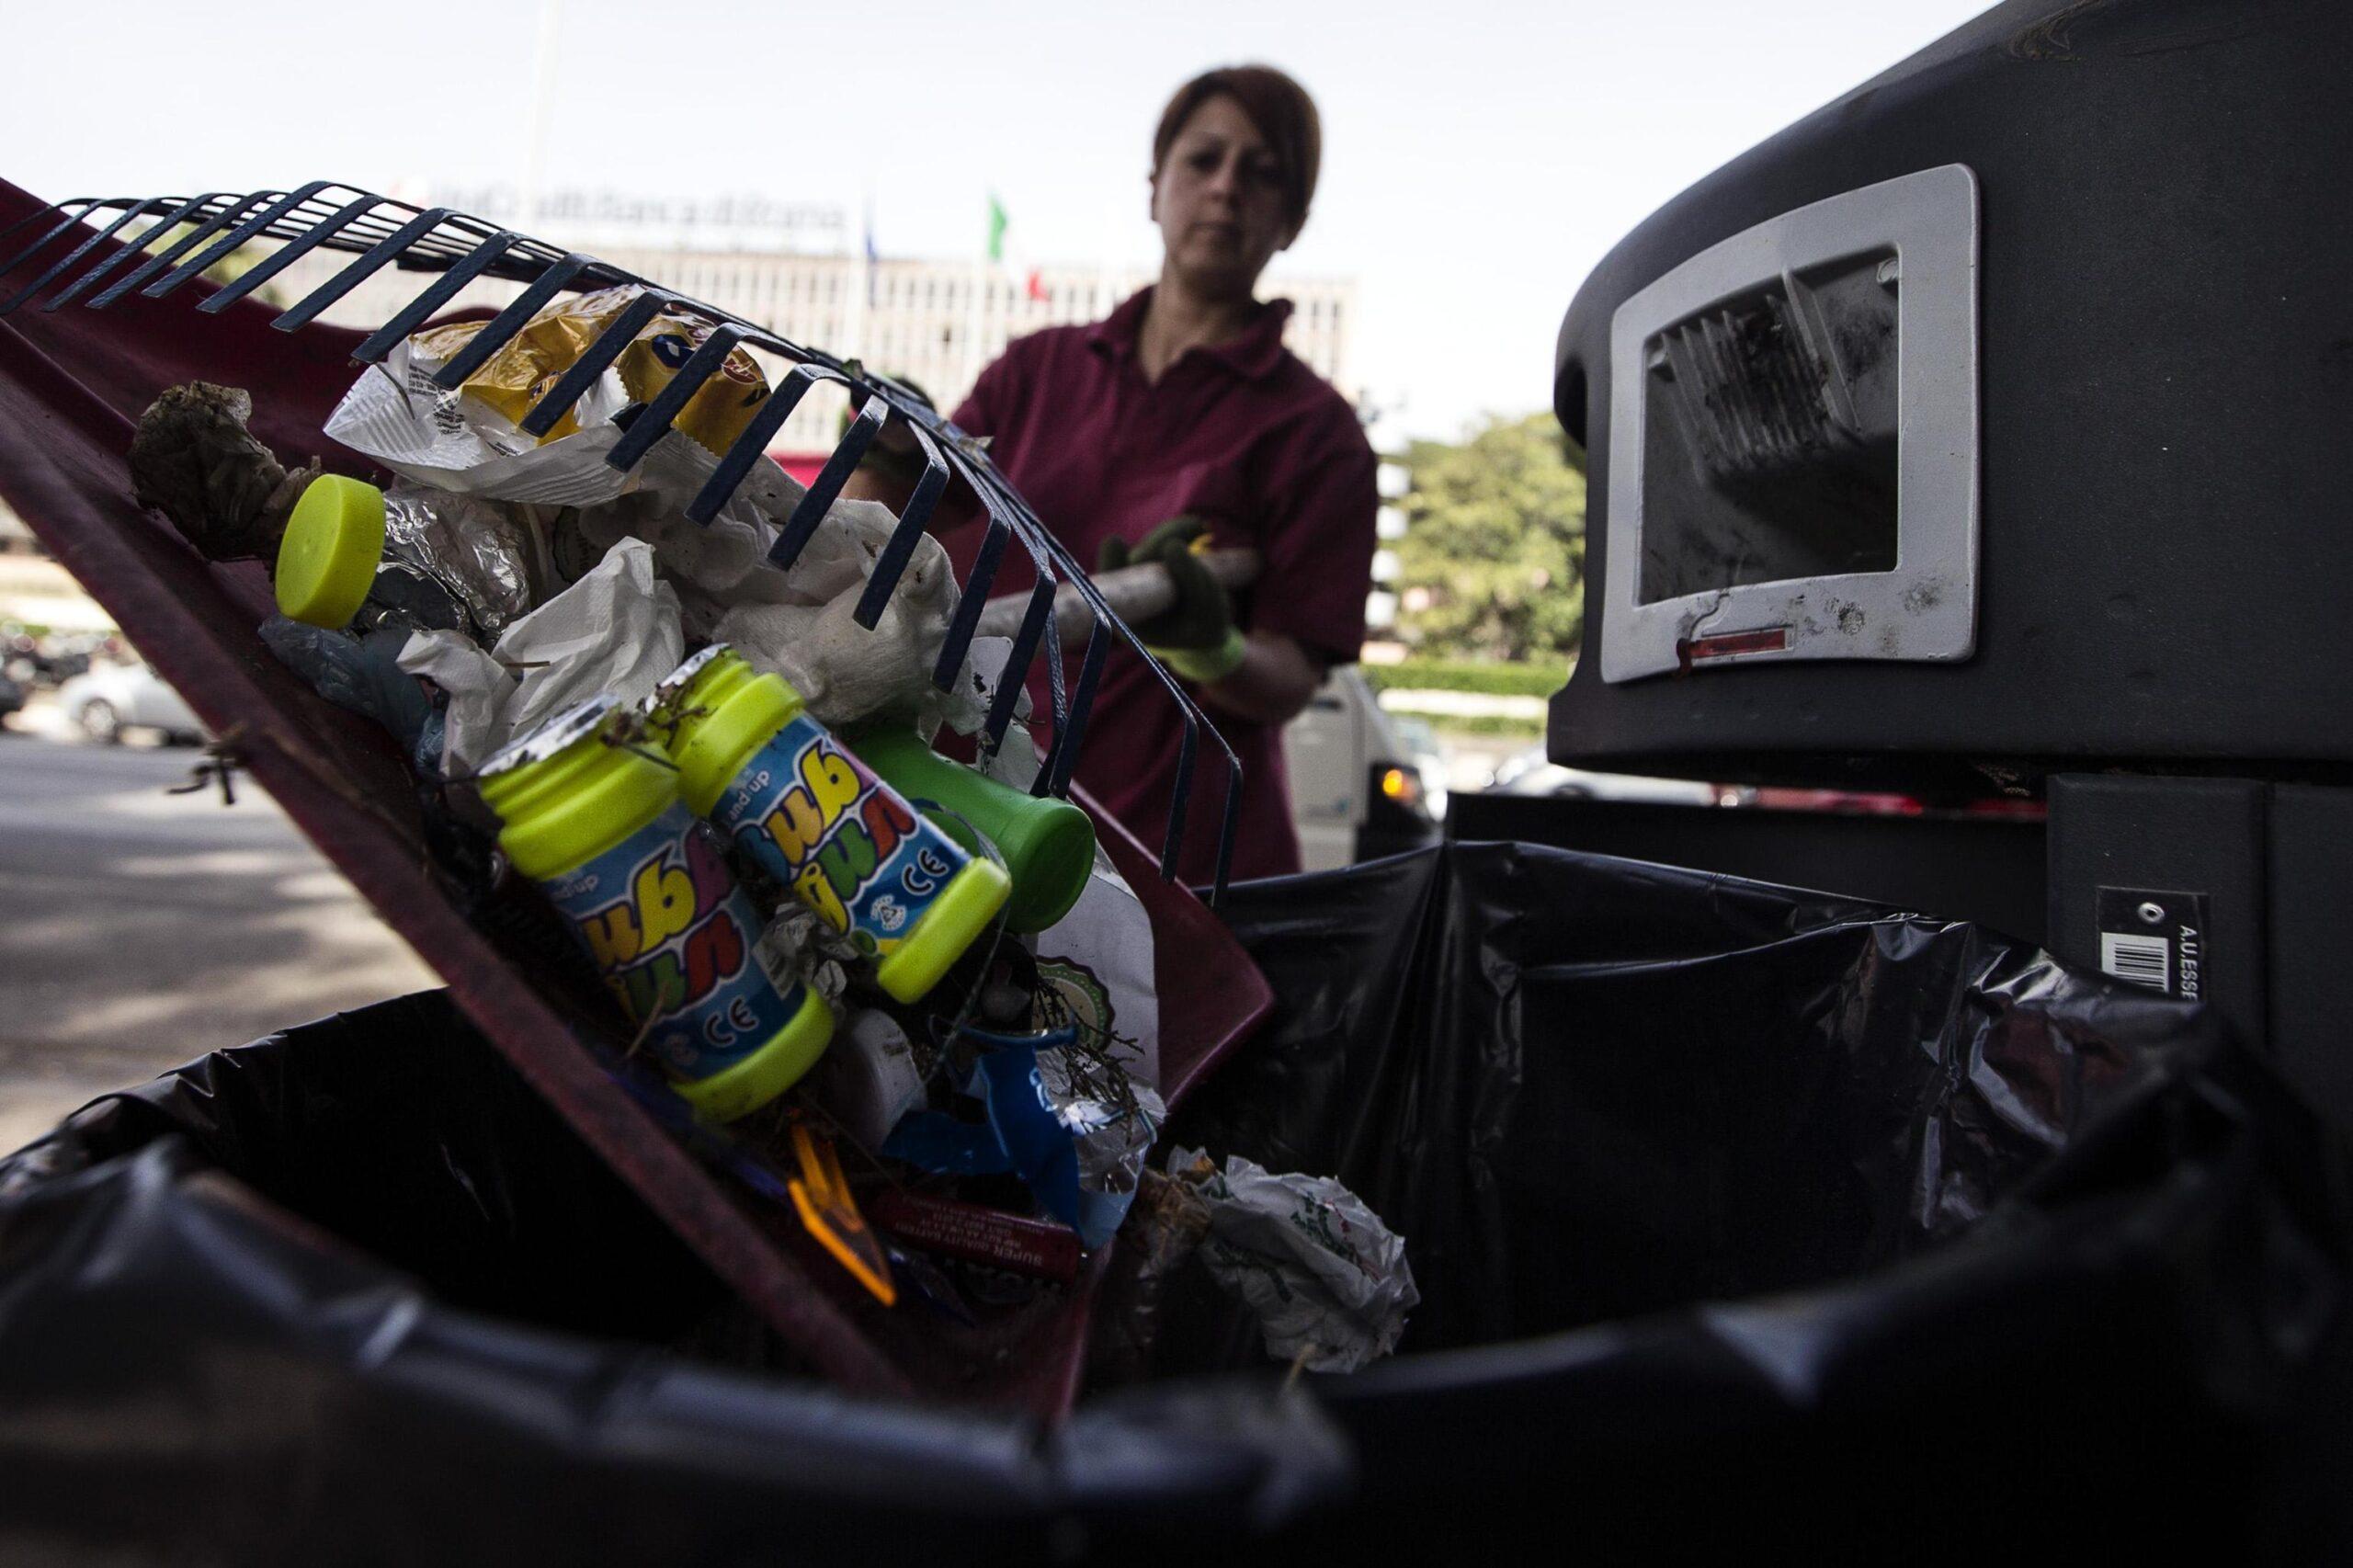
(1793, 440)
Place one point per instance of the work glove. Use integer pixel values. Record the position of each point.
(1195, 636)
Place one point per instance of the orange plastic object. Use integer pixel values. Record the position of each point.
(822, 1195)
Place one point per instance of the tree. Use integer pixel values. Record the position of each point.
(1492, 562)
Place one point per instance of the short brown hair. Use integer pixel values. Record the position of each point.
(1277, 106)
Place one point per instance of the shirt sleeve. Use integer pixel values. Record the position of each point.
(1319, 542)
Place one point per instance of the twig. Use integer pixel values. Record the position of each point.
(219, 766)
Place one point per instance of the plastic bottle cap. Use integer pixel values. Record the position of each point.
(334, 543)
(959, 913)
(724, 711)
(766, 1073)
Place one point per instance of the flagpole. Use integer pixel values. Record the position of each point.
(542, 113)
(972, 365)
(854, 336)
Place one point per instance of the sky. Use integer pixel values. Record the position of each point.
(1478, 159)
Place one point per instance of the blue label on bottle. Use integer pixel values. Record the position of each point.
(672, 936)
(849, 844)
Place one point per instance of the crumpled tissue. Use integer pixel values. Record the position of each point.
(615, 631)
(1326, 1279)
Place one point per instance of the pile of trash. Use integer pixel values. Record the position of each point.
(896, 996)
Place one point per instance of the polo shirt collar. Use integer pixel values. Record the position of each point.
(1253, 354)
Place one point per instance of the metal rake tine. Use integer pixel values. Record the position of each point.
(497, 331)
(440, 292)
(1226, 823)
(1017, 667)
(35, 216)
(1001, 501)
(287, 254)
(307, 309)
(177, 249)
(600, 354)
(991, 484)
(1193, 718)
(752, 444)
(671, 400)
(1057, 699)
(61, 225)
(130, 248)
(77, 253)
(1179, 798)
(213, 253)
(892, 563)
(967, 617)
(1232, 813)
(1055, 775)
(801, 525)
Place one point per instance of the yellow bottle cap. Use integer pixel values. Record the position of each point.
(334, 543)
(954, 922)
(766, 1073)
(715, 711)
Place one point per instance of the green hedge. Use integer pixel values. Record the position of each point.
(1465, 675)
(1485, 725)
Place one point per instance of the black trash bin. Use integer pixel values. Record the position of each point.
(1734, 1210)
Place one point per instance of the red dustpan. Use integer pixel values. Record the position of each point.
(73, 382)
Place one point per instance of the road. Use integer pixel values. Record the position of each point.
(141, 929)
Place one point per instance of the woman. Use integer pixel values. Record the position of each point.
(1182, 413)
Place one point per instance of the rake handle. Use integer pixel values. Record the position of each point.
(1136, 593)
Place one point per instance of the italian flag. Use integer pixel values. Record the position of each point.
(998, 222)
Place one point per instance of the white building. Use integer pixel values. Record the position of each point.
(938, 323)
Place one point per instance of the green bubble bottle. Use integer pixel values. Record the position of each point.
(599, 827)
(754, 764)
(1048, 845)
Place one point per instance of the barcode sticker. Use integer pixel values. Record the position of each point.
(2156, 938)
(2143, 961)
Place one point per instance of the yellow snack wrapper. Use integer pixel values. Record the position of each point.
(522, 372)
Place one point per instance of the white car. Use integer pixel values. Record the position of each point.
(1531, 773)
(106, 700)
(1358, 787)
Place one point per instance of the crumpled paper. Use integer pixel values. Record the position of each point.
(797, 943)
(1326, 1279)
(615, 631)
(477, 687)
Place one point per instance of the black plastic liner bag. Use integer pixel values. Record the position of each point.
(1739, 1216)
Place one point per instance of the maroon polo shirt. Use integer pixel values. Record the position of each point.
(1241, 433)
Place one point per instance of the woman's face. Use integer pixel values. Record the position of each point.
(1218, 202)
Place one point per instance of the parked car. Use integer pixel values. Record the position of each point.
(1357, 789)
(1529, 773)
(1421, 745)
(106, 700)
(12, 696)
